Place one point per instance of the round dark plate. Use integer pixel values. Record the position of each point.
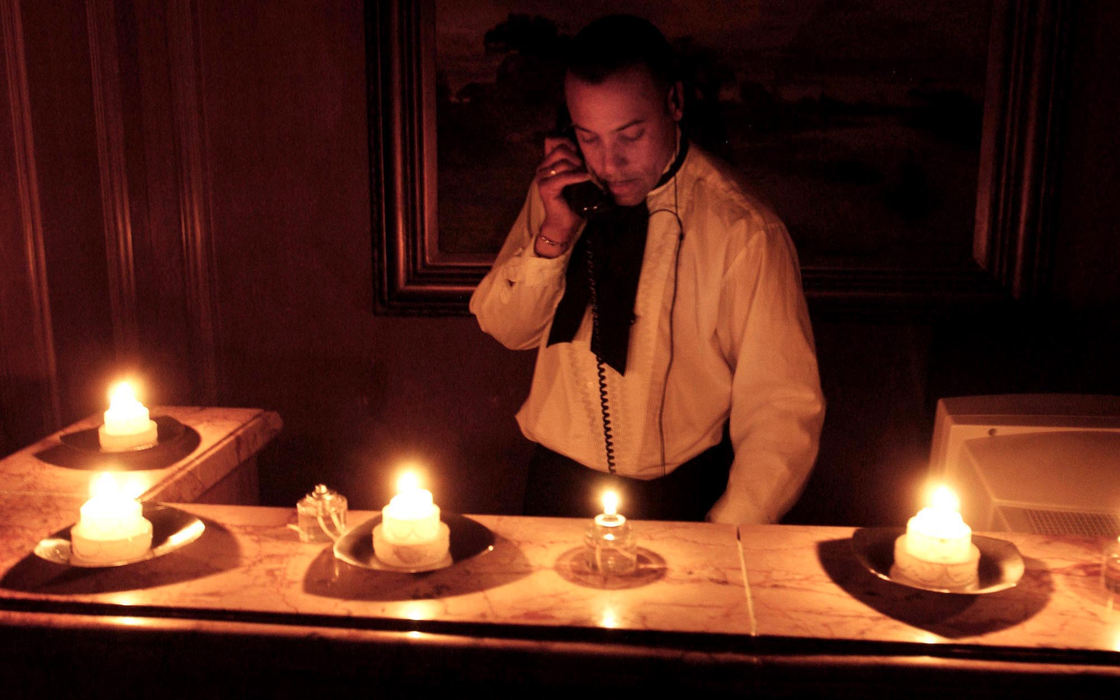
(468, 539)
(172, 529)
(81, 449)
(168, 430)
(1001, 565)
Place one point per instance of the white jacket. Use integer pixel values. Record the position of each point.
(741, 346)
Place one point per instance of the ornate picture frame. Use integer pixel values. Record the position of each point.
(1011, 238)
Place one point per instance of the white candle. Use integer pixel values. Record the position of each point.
(411, 516)
(128, 424)
(938, 533)
(112, 527)
(410, 534)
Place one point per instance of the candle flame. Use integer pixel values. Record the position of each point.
(122, 393)
(408, 481)
(610, 503)
(116, 485)
(943, 498)
(103, 485)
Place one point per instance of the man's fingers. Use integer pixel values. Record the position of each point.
(560, 162)
(563, 178)
(553, 169)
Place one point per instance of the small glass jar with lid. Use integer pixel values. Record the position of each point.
(321, 515)
(611, 548)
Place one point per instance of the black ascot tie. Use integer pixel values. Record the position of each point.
(617, 238)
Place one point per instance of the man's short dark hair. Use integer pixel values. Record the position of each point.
(616, 42)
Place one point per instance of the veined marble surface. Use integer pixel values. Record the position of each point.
(769, 581)
(251, 559)
(222, 439)
(806, 582)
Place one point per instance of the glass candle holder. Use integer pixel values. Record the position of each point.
(321, 515)
(611, 546)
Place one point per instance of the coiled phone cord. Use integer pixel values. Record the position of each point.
(600, 369)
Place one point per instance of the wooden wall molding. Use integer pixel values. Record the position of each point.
(411, 275)
(1027, 74)
(109, 121)
(194, 194)
(25, 308)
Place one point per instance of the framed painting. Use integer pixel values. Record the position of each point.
(909, 147)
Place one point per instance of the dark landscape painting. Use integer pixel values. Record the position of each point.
(858, 120)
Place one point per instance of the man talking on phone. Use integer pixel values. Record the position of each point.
(675, 359)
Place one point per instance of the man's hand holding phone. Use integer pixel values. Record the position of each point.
(562, 166)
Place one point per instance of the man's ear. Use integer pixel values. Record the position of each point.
(674, 101)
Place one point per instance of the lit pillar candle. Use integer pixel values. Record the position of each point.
(411, 515)
(127, 425)
(410, 534)
(937, 549)
(112, 527)
(938, 533)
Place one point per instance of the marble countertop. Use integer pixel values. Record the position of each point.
(250, 559)
(750, 586)
(212, 443)
(805, 582)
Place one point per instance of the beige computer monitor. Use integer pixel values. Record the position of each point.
(1047, 463)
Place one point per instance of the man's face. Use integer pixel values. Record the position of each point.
(626, 128)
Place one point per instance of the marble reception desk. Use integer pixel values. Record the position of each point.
(212, 458)
(769, 610)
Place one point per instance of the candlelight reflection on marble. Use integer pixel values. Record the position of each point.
(418, 610)
(608, 619)
(1110, 566)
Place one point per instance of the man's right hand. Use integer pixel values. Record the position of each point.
(562, 166)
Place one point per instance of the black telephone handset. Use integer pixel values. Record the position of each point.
(585, 198)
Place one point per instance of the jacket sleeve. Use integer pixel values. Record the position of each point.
(777, 407)
(515, 301)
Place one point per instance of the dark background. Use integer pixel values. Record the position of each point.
(231, 148)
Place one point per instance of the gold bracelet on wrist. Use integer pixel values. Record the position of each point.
(549, 241)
